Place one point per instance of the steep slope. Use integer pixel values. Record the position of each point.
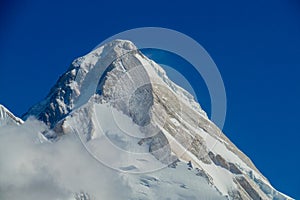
(78, 84)
(7, 118)
(128, 114)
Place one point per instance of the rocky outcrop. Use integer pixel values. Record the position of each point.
(220, 161)
(234, 169)
(198, 148)
(58, 102)
(248, 188)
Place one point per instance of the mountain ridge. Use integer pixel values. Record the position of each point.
(7, 117)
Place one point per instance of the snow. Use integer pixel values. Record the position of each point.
(7, 118)
(148, 178)
(174, 121)
(94, 64)
(110, 142)
(164, 184)
(222, 179)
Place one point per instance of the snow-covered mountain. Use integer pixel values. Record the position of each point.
(7, 118)
(132, 118)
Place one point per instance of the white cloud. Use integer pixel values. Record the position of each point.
(33, 170)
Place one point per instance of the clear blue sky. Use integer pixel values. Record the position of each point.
(255, 44)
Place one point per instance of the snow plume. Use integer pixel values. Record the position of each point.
(31, 169)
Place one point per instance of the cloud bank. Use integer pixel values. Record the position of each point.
(32, 170)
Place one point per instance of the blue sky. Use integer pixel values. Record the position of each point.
(255, 44)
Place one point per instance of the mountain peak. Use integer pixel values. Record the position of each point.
(88, 74)
(76, 86)
(116, 95)
(118, 44)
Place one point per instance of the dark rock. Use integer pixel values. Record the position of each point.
(189, 164)
(234, 169)
(248, 188)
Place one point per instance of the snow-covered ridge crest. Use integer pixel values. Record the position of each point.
(8, 118)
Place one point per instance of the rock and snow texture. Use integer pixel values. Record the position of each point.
(132, 118)
(78, 84)
(7, 118)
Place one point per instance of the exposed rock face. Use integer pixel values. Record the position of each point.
(234, 169)
(218, 160)
(198, 148)
(160, 148)
(248, 188)
(59, 101)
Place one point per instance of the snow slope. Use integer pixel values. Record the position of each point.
(7, 118)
